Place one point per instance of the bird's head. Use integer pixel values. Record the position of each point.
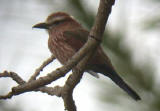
(55, 19)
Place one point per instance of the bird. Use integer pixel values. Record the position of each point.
(67, 36)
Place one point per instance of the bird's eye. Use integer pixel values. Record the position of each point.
(57, 22)
(54, 23)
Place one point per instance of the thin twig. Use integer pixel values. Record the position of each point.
(49, 90)
(9, 95)
(14, 76)
(38, 70)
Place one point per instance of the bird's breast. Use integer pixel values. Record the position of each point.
(60, 49)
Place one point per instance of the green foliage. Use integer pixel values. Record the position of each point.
(152, 24)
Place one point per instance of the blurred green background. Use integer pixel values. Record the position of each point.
(131, 40)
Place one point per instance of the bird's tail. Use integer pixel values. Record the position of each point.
(107, 70)
(119, 81)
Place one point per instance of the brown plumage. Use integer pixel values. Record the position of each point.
(67, 36)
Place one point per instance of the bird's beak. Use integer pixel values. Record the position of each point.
(41, 26)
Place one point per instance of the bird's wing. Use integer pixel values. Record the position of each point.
(76, 38)
(77, 34)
